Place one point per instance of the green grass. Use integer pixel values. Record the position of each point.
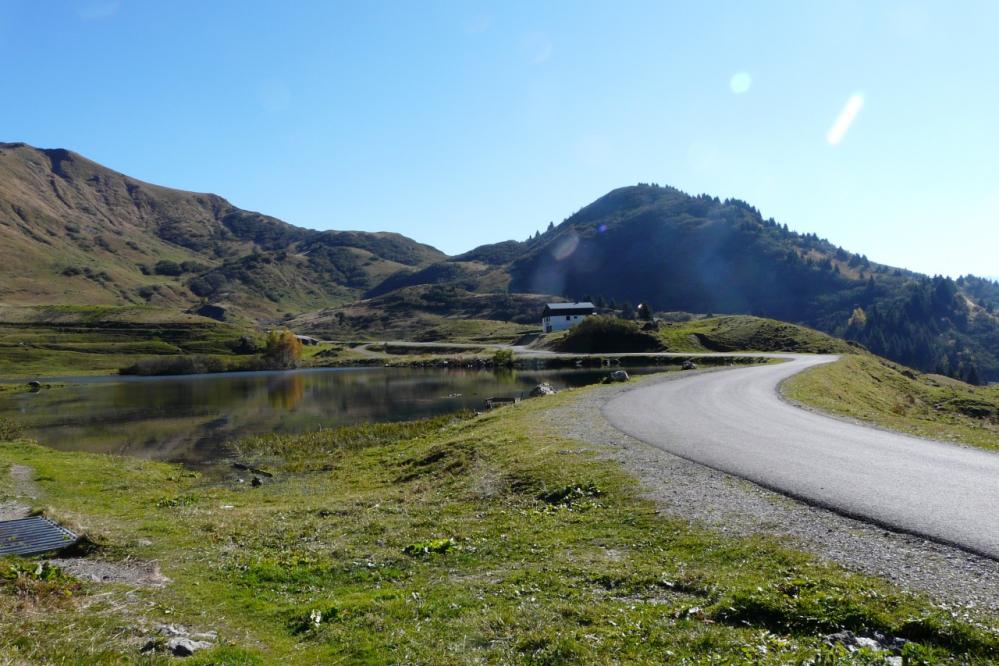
(446, 329)
(70, 340)
(878, 391)
(456, 540)
(746, 333)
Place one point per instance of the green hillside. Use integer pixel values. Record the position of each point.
(745, 333)
(874, 390)
(75, 232)
(73, 340)
(706, 334)
(428, 314)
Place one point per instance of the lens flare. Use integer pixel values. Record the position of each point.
(740, 82)
(566, 247)
(845, 119)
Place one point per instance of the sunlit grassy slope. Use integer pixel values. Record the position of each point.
(889, 395)
(746, 333)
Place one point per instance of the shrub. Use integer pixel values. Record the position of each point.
(503, 358)
(282, 349)
(245, 345)
(603, 334)
(167, 267)
(10, 429)
(176, 365)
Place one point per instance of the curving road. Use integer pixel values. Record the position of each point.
(736, 422)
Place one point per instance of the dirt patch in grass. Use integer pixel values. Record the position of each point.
(130, 572)
(21, 487)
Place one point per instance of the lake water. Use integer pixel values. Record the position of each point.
(189, 419)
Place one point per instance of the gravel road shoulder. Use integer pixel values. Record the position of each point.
(721, 501)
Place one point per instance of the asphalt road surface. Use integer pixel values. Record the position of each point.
(736, 422)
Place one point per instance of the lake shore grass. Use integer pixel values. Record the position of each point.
(462, 539)
(888, 395)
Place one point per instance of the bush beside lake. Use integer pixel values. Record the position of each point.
(604, 334)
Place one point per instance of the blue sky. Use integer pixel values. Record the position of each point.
(465, 123)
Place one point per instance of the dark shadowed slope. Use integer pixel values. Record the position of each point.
(660, 246)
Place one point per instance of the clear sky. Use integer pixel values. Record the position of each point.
(459, 123)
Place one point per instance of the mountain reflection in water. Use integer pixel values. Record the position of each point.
(189, 419)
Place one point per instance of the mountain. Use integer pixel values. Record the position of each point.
(73, 231)
(676, 252)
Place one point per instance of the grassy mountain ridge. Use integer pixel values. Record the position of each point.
(73, 231)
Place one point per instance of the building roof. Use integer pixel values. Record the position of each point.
(569, 308)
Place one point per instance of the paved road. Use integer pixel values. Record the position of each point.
(735, 421)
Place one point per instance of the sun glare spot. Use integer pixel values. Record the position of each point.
(566, 247)
(845, 119)
(740, 82)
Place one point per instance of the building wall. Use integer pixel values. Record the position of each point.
(560, 322)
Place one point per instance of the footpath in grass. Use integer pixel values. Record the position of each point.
(889, 395)
(461, 539)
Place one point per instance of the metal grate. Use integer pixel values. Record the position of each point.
(31, 536)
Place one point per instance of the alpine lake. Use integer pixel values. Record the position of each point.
(191, 418)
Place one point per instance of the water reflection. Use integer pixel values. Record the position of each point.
(190, 418)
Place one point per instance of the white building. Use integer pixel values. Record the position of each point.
(560, 316)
